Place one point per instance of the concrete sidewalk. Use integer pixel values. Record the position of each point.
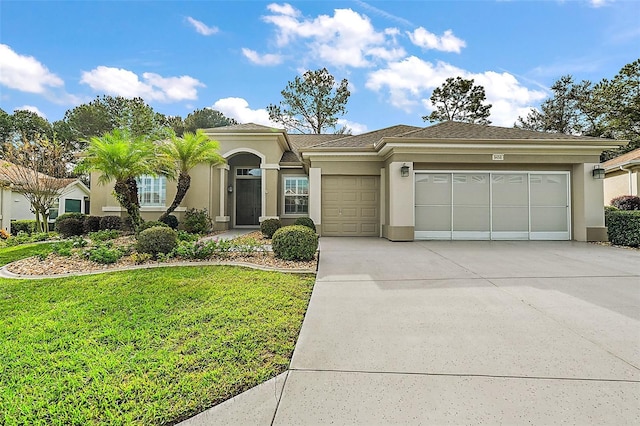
(459, 333)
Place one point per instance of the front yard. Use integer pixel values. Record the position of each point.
(142, 347)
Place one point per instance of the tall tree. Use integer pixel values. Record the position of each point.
(562, 113)
(121, 157)
(34, 168)
(206, 118)
(311, 103)
(185, 153)
(107, 113)
(459, 99)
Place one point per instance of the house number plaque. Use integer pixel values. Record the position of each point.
(497, 157)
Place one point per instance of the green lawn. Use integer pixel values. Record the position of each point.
(10, 254)
(142, 347)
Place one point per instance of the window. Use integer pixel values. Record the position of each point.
(152, 191)
(71, 205)
(296, 195)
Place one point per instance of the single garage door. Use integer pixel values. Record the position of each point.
(492, 205)
(350, 206)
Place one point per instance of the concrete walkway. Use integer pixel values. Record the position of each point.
(459, 333)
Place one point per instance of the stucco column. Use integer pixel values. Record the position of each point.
(315, 196)
(223, 170)
(401, 203)
(270, 173)
(588, 202)
(5, 209)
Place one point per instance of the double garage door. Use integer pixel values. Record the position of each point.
(492, 205)
(351, 206)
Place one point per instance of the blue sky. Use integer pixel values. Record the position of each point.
(236, 56)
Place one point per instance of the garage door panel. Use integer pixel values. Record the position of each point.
(492, 205)
(350, 206)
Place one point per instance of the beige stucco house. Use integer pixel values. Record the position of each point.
(622, 176)
(447, 181)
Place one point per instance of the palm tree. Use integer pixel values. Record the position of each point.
(121, 158)
(185, 153)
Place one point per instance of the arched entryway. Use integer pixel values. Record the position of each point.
(246, 184)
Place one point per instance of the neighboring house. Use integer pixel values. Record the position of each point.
(448, 181)
(74, 197)
(622, 176)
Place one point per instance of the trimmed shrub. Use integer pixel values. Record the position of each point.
(91, 224)
(294, 242)
(106, 235)
(626, 202)
(74, 215)
(104, 254)
(110, 222)
(70, 226)
(28, 226)
(126, 225)
(157, 239)
(269, 226)
(170, 220)
(197, 221)
(306, 221)
(151, 224)
(623, 227)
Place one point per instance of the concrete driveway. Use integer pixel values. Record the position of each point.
(460, 333)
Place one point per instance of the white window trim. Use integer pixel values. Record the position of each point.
(293, 215)
(153, 206)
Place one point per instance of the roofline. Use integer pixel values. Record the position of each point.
(630, 163)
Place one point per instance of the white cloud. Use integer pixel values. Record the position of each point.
(238, 108)
(344, 39)
(201, 27)
(268, 59)
(283, 9)
(446, 43)
(152, 87)
(410, 82)
(31, 108)
(356, 128)
(25, 73)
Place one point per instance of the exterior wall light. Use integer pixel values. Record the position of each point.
(597, 172)
(230, 189)
(404, 171)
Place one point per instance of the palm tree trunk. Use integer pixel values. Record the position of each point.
(184, 182)
(127, 195)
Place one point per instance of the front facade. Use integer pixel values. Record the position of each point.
(622, 176)
(448, 181)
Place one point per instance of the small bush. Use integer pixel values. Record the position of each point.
(196, 221)
(294, 242)
(140, 258)
(70, 226)
(306, 221)
(27, 226)
(4, 234)
(126, 225)
(623, 227)
(170, 220)
(269, 226)
(185, 236)
(72, 215)
(104, 254)
(151, 224)
(39, 236)
(91, 224)
(62, 248)
(196, 249)
(110, 222)
(21, 238)
(158, 239)
(626, 202)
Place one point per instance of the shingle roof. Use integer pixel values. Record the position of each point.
(622, 159)
(469, 131)
(366, 140)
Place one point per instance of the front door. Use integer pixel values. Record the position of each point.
(248, 202)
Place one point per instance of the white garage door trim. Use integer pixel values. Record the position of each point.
(473, 210)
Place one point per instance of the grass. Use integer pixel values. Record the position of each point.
(142, 347)
(10, 254)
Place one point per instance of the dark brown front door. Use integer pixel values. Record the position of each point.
(248, 201)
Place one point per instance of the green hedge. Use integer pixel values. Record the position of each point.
(623, 227)
(295, 242)
(27, 226)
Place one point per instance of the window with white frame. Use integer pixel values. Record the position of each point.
(152, 191)
(296, 195)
